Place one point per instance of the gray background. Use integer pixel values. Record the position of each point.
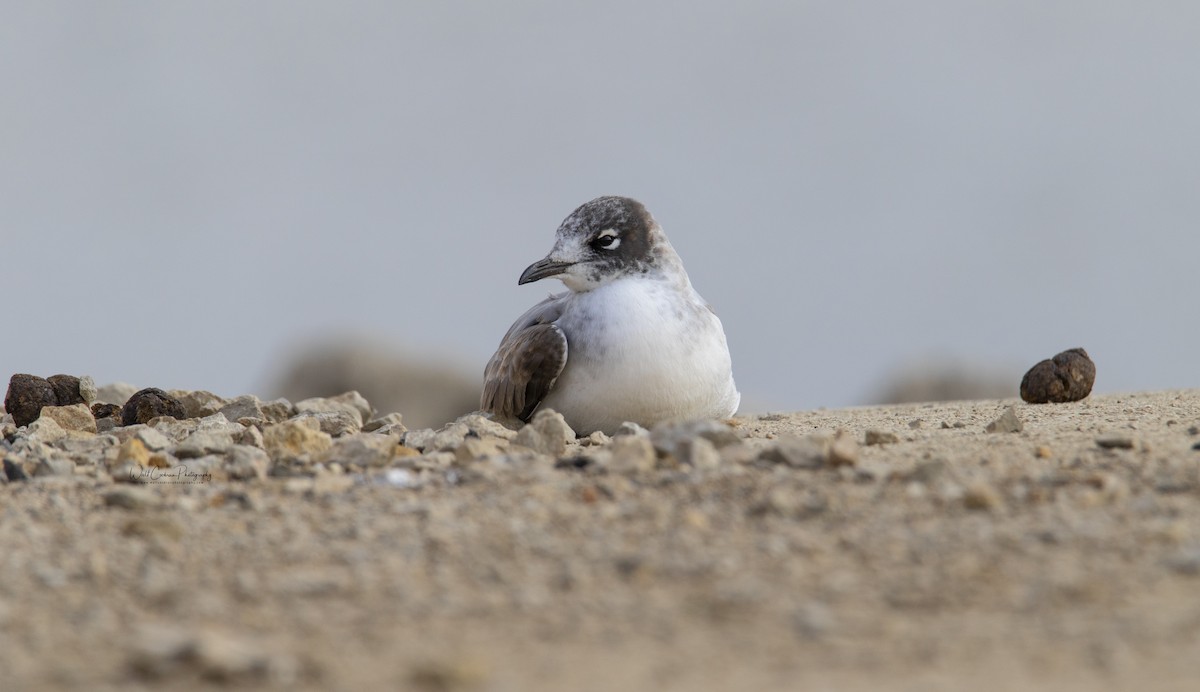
(192, 190)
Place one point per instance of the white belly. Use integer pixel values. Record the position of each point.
(636, 352)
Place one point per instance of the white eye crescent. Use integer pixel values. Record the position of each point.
(607, 240)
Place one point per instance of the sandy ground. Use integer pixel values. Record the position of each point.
(950, 559)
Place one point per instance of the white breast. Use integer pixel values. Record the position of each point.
(642, 350)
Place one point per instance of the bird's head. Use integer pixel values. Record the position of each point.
(604, 239)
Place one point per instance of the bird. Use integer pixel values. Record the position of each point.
(630, 340)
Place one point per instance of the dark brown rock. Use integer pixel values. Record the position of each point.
(151, 403)
(26, 396)
(101, 410)
(1066, 377)
(66, 389)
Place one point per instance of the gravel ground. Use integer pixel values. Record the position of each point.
(772, 555)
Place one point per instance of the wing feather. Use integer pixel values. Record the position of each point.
(530, 358)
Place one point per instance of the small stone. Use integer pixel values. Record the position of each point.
(202, 443)
(322, 405)
(1043, 452)
(808, 452)
(54, 466)
(1114, 442)
(127, 497)
(629, 428)
(356, 401)
(916, 424)
(87, 389)
(116, 393)
(881, 437)
(66, 389)
(164, 652)
(199, 403)
(981, 496)
(482, 426)
(1066, 377)
(447, 437)
(843, 450)
(26, 396)
(151, 403)
(548, 433)
(76, 417)
(596, 439)
(1008, 422)
(101, 410)
(702, 455)
(276, 410)
(365, 450)
(132, 451)
(46, 430)
(632, 453)
(675, 438)
(246, 463)
(419, 438)
(151, 438)
(14, 471)
(295, 438)
(245, 406)
(475, 448)
(336, 423)
(391, 421)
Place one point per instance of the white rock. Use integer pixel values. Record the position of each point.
(548, 433)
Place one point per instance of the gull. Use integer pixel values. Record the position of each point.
(630, 340)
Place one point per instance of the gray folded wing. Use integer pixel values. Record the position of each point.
(530, 358)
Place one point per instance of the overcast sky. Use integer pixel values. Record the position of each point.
(191, 190)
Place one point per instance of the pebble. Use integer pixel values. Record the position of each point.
(76, 417)
(295, 438)
(1066, 377)
(843, 450)
(26, 396)
(806, 452)
(356, 401)
(630, 428)
(676, 439)
(246, 463)
(150, 437)
(130, 497)
(880, 437)
(67, 390)
(336, 422)
(365, 450)
(482, 426)
(476, 448)
(390, 421)
(13, 470)
(245, 406)
(216, 657)
(1008, 422)
(447, 438)
(981, 496)
(199, 403)
(322, 405)
(202, 443)
(54, 466)
(631, 454)
(150, 403)
(101, 410)
(45, 430)
(1114, 442)
(548, 433)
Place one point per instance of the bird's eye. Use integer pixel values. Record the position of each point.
(607, 240)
